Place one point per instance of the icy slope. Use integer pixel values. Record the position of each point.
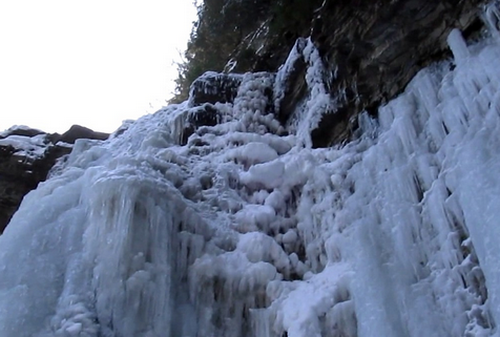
(247, 231)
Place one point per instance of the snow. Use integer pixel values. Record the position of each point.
(253, 153)
(267, 175)
(248, 231)
(30, 147)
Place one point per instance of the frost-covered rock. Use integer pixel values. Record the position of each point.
(26, 157)
(213, 87)
(204, 115)
(301, 93)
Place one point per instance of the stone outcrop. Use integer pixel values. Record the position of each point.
(76, 132)
(26, 157)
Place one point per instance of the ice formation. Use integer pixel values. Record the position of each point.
(247, 231)
(317, 102)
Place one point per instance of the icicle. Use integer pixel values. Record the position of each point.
(492, 18)
(458, 46)
(261, 324)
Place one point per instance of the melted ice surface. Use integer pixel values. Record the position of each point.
(245, 231)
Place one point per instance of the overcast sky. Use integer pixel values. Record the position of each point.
(88, 62)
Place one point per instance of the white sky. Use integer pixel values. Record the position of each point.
(88, 62)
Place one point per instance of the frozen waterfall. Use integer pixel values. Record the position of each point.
(248, 231)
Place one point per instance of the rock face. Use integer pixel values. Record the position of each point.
(357, 57)
(370, 50)
(379, 46)
(26, 157)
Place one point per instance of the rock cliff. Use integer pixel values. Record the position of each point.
(370, 50)
(360, 53)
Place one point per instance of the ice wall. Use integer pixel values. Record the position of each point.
(247, 231)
